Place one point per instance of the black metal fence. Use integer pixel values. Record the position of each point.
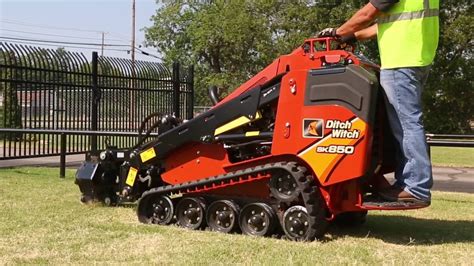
(61, 90)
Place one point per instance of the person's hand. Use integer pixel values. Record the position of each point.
(347, 40)
(327, 32)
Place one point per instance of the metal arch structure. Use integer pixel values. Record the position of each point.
(62, 90)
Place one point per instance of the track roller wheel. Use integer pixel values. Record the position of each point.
(190, 213)
(296, 223)
(283, 186)
(157, 210)
(257, 219)
(222, 216)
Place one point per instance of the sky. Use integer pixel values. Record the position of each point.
(78, 21)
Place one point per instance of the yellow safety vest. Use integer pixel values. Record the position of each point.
(408, 34)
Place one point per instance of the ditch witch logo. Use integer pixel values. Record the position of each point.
(313, 128)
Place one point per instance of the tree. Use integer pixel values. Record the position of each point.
(11, 110)
(449, 92)
(229, 41)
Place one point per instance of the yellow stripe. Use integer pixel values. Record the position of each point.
(252, 133)
(235, 124)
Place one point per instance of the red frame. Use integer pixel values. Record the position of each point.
(341, 191)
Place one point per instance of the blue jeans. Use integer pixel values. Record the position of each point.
(403, 88)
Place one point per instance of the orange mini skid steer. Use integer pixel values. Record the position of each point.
(300, 144)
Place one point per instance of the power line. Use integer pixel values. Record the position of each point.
(24, 40)
(53, 43)
(57, 35)
(8, 21)
(148, 54)
(121, 36)
(67, 46)
(137, 48)
(62, 42)
(88, 48)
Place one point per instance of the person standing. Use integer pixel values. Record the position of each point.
(407, 33)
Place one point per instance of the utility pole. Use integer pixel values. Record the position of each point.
(133, 39)
(132, 80)
(102, 47)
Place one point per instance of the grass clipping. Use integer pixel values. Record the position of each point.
(42, 222)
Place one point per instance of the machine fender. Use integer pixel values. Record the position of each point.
(86, 178)
(87, 171)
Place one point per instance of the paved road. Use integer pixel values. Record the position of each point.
(445, 178)
(453, 179)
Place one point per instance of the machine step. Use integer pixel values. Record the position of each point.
(376, 203)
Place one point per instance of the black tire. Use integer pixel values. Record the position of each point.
(283, 186)
(156, 209)
(191, 213)
(313, 202)
(257, 219)
(222, 216)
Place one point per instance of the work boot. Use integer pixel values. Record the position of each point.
(381, 183)
(396, 193)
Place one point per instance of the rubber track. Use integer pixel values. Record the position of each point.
(311, 197)
(313, 202)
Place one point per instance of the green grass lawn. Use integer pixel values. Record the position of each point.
(42, 222)
(452, 156)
